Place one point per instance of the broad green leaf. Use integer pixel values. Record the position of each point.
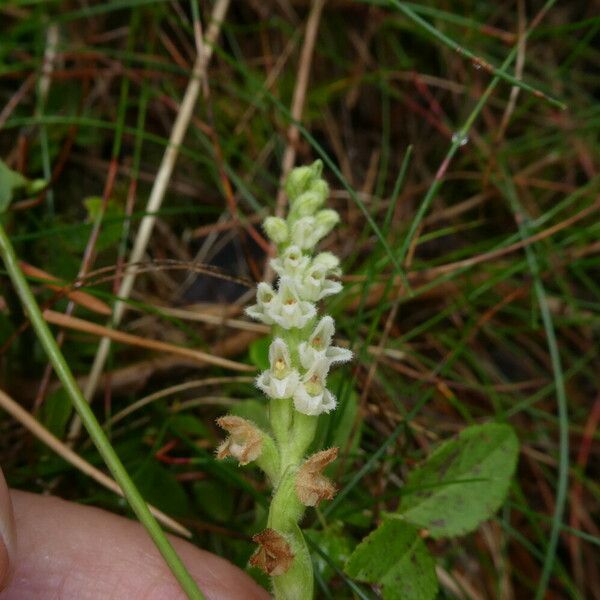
(395, 557)
(463, 482)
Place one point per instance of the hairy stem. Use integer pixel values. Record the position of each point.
(286, 511)
(294, 433)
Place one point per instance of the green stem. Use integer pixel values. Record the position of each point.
(284, 514)
(294, 432)
(100, 440)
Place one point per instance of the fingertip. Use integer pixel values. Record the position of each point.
(7, 533)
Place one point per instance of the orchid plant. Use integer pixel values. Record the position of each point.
(300, 357)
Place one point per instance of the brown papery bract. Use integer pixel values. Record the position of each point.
(311, 485)
(273, 555)
(244, 442)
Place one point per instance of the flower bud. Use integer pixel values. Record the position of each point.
(298, 181)
(329, 261)
(244, 441)
(276, 229)
(273, 555)
(321, 188)
(316, 168)
(325, 221)
(306, 204)
(303, 233)
(311, 485)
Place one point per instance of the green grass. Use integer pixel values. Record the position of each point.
(513, 338)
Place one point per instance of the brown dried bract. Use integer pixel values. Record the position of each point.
(311, 485)
(244, 441)
(273, 555)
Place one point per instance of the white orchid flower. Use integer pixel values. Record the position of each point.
(291, 310)
(281, 380)
(267, 303)
(292, 263)
(311, 396)
(315, 284)
(318, 347)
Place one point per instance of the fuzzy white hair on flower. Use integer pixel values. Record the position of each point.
(281, 380)
(291, 310)
(318, 346)
(291, 263)
(267, 303)
(312, 396)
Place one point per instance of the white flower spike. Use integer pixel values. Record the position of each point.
(300, 357)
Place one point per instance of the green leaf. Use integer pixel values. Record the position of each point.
(56, 412)
(259, 352)
(335, 428)
(395, 557)
(254, 411)
(463, 482)
(188, 425)
(160, 487)
(12, 181)
(215, 499)
(112, 228)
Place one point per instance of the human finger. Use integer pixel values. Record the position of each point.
(7, 533)
(71, 551)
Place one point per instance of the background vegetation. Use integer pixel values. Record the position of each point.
(469, 237)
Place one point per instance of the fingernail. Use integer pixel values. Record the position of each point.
(7, 533)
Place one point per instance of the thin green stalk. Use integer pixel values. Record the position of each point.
(459, 138)
(100, 440)
(408, 12)
(523, 223)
